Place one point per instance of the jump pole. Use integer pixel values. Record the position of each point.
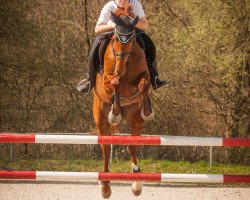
(106, 176)
(123, 140)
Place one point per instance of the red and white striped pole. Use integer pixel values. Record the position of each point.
(103, 176)
(124, 140)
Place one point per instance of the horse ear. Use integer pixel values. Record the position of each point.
(117, 20)
(135, 21)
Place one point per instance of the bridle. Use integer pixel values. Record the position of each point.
(123, 38)
(123, 41)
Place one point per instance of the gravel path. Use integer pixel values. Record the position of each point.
(42, 190)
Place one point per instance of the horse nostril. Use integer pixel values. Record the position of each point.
(117, 72)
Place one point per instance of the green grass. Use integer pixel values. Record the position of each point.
(149, 165)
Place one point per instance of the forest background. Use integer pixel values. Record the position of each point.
(202, 49)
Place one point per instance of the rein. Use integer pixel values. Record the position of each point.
(122, 55)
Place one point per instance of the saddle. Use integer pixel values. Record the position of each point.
(101, 49)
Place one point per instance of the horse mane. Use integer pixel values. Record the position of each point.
(123, 12)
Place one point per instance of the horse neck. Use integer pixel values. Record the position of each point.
(135, 65)
(136, 55)
(129, 81)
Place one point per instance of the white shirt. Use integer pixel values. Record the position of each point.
(112, 6)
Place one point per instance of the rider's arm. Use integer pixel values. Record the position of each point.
(143, 22)
(104, 23)
(103, 27)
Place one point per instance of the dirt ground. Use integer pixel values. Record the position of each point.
(43, 190)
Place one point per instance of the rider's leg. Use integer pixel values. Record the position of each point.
(150, 52)
(90, 82)
(93, 65)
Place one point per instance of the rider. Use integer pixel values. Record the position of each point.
(104, 25)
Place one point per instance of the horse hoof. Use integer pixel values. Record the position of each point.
(106, 195)
(106, 191)
(147, 117)
(136, 192)
(136, 188)
(113, 119)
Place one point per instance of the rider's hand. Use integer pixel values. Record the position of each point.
(111, 23)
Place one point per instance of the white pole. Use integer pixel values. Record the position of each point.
(111, 155)
(211, 156)
(11, 152)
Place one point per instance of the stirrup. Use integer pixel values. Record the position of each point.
(82, 84)
(156, 87)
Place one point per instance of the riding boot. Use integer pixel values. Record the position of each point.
(86, 85)
(148, 46)
(94, 63)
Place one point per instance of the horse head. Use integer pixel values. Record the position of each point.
(123, 41)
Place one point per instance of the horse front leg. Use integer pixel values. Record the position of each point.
(144, 85)
(136, 131)
(147, 112)
(114, 116)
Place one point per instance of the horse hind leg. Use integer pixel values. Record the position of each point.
(106, 190)
(103, 129)
(106, 149)
(100, 113)
(136, 185)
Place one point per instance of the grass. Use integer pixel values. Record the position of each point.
(149, 165)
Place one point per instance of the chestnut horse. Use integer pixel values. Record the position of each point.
(121, 92)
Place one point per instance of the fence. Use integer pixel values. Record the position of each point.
(124, 140)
